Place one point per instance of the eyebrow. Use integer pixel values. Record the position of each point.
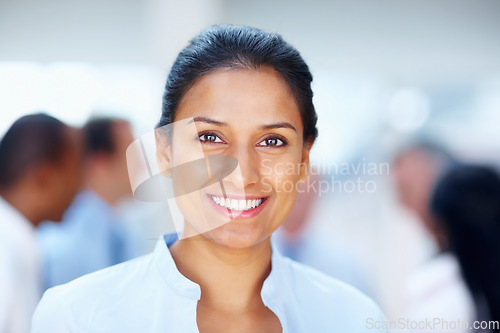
(279, 125)
(220, 123)
(208, 121)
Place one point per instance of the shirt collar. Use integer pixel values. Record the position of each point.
(166, 264)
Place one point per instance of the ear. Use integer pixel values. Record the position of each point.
(163, 153)
(304, 163)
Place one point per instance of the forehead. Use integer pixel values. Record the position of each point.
(243, 93)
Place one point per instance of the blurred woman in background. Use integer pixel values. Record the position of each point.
(467, 203)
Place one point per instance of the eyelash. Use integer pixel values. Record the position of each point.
(200, 135)
(284, 142)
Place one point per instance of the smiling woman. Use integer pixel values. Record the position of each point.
(248, 95)
(252, 116)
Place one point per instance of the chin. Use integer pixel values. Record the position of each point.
(57, 219)
(234, 236)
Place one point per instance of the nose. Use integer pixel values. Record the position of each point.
(247, 173)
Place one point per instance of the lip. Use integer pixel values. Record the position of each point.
(237, 214)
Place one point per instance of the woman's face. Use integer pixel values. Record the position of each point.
(252, 116)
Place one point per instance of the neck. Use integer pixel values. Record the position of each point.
(230, 279)
(103, 189)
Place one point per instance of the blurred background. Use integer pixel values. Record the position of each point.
(386, 74)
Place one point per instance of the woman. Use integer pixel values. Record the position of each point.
(248, 93)
(466, 202)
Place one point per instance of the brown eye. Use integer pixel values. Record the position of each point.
(209, 138)
(272, 142)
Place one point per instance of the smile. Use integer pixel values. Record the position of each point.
(237, 205)
(236, 208)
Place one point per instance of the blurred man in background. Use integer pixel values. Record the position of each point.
(39, 177)
(436, 288)
(91, 236)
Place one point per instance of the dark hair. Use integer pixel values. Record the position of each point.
(240, 47)
(30, 141)
(99, 137)
(467, 202)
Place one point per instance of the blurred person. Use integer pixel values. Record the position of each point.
(301, 239)
(242, 97)
(416, 169)
(91, 235)
(436, 287)
(467, 204)
(39, 177)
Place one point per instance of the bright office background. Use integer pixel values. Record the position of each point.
(379, 66)
(384, 71)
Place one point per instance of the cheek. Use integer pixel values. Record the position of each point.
(186, 153)
(282, 175)
(198, 212)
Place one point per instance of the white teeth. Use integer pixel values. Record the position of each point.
(234, 204)
(242, 204)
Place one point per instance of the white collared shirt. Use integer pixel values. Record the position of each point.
(19, 270)
(149, 294)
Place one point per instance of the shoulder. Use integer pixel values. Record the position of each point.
(114, 279)
(313, 281)
(78, 302)
(326, 299)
